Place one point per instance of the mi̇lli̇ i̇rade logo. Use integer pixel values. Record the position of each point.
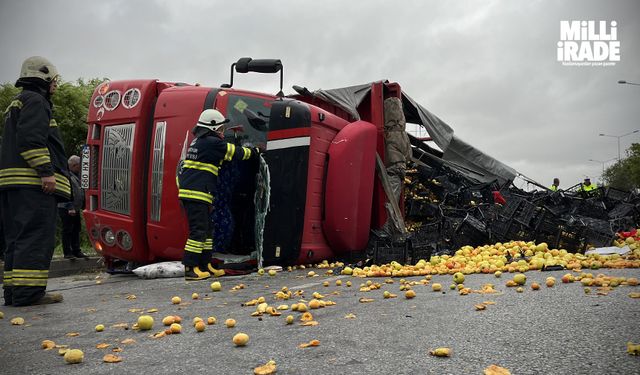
(588, 43)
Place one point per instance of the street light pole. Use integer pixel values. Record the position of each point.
(619, 136)
(623, 82)
(603, 163)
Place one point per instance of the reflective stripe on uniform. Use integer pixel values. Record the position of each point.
(7, 278)
(36, 157)
(14, 104)
(53, 123)
(24, 277)
(192, 164)
(28, 176)
(231, 149)
(208, 244)
(193, 246)
(195, 195)
(247, 153)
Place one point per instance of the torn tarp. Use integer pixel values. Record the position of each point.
(484, 167)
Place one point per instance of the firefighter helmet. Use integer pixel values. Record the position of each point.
(211, 119)
(38, 67)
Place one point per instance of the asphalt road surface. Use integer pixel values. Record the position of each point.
(559, 330)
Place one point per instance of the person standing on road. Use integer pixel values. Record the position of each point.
(197, 179)
(33, 175)
(556, 184)
(70, 213)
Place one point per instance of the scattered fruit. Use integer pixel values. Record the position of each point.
(452, 286)
(211, 320)
(520, 279)
(289, 319)
(230, 323)
(409, 294)
(168, 320)
(48, 344)
(175, 328)
(272, 272)
(498, 273)
(261, 271)
(267, 369)
(535, 286)
(240, 339)
(73, 356)
(550, 282)
(145, 322)
(519, 289)
(176, 300)
(216, 286)
(100, 328)
(441, 352)
(436, 287)
(200, 326)
(195, 296)
(338, 282)
(17, 321)
(458, 277)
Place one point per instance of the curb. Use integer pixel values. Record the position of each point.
(66, 267)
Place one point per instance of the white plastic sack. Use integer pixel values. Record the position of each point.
(158, 270)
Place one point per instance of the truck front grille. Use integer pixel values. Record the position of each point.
(115, 183)
(157, 170)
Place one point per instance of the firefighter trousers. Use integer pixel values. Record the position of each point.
(29, 221)
(199, 246)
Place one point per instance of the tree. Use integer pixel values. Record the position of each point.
(70, 107)
(625, 174)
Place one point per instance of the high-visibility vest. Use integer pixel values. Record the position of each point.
(553, 188)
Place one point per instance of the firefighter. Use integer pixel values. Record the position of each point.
(33, 177)
(556, 184)
(197, 180)
(586, 185)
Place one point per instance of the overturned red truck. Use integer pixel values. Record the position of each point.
(320, 148)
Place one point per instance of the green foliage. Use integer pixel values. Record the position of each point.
(625, 174)
(70, 107)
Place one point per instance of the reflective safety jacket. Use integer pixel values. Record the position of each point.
(198, 174)
(32, 146)
(553, 188)
(584, 187)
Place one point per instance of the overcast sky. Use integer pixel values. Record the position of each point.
(487, 68)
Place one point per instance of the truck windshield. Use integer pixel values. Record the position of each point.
(250, 134)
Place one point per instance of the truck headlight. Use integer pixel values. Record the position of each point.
(108, 237)
(124, 240)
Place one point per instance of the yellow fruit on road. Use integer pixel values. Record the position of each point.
(302, 307)
(452, 286)
(349, 283)
(195, 296)
(230, 323)
(338, 282)
(498, 273)
(313, 304)
(200, 326)
(520, 279)
(261, 271)
(458, 277)
(197, 319)
(436, 287)
(175, 328)
(1, 315)
(272, 272)
(311, 274)
(73, 356)
(632, 281)
(176, 300)
(168, 320)
(409, 294)
(325, 284)
(550, 282)
(211, 320)
(241, 339)
(216, 286)
(145, 322)
(347, 271)
(535, 286)
(519, 289)
(289, 319)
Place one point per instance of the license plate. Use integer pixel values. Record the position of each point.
(84, 171)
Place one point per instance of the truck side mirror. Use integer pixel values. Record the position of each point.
(247, 64)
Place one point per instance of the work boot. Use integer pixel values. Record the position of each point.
(69, 256)
(80, 254)
(194, 273)
(48, 298)
(215, 272)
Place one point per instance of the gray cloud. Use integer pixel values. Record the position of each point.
(486, 68)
